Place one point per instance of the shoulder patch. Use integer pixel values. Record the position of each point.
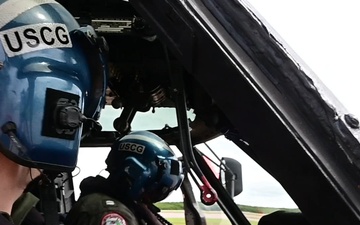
(113, 219)
(29, 38)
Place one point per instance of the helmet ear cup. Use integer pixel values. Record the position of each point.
(169, 178)
(138, 176)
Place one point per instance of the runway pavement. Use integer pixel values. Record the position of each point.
(209, 214)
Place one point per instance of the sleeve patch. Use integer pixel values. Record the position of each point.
(113, 219)
(109, 202)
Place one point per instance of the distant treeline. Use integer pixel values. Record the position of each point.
(244, 208)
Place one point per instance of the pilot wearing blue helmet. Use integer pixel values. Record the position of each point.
(142, 170)
(53, 77)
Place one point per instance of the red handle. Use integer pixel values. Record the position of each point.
(208, 194)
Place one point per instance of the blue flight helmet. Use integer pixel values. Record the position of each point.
(146, 165)
(53, 76)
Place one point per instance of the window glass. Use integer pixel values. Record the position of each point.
(151, 120)
(260, 189)
(324, 35)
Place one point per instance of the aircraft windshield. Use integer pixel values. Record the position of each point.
(324, 36)
(259, 188)
(327, 44)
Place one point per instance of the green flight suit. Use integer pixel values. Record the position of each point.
(22, 206)
(100, 209)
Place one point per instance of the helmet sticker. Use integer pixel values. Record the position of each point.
(10, 9)
(148, 139)
(131, 147)
(113, 219)
(29, 38)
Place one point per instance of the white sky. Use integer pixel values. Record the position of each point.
(325, 34)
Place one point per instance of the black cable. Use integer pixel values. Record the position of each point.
(47, 187)
(9, 128)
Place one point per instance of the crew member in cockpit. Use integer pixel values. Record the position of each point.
(142, 170)
(45, 75)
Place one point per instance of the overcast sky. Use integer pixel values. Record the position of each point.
(325, 34)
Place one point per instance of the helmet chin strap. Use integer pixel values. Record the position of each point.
(47, 187)
(9, 128)
(67, 116)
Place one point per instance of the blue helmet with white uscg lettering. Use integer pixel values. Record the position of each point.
(146, 165)
(53, 76)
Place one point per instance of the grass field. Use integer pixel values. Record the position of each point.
(174, 212)
(181, 221)
(244, 208)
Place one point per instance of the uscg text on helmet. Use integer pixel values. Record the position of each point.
(29, 38)
(131, 147)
